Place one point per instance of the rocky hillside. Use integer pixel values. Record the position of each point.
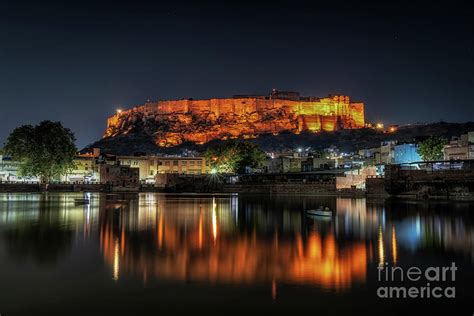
(175, 122)
(139, 141)
(173, 129)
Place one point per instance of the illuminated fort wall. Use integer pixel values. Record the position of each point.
(245, 116)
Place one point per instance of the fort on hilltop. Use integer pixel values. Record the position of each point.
(176, 121)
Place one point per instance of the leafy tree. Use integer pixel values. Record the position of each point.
(46, 150)
(432, 148)
(234, 156)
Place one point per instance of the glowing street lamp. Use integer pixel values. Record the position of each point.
(118, 111)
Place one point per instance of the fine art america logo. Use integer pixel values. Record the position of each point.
(430, 282)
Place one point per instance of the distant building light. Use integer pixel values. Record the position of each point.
(379, 126)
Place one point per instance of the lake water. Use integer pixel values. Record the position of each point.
(146, 253)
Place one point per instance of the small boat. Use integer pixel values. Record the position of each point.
(81, 201)
(320, 212)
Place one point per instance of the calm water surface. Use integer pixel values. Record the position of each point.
(146, 253)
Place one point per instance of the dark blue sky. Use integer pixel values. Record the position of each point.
(78, 61)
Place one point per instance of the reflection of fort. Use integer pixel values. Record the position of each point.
(242, 240)
(201, 240)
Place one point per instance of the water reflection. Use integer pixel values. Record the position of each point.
(43, 242)
(230, 239)
(204, 239)
(39, 227)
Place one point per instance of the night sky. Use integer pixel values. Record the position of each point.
(77, 62)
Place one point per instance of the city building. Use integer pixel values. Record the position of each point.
(387, 149)
(9, 171)
(370, 156)
(87, 167)
(85, 170)
(348, 161)
(355, 178)
(406, 153)
(460, 148)
(119, 176)
(183, 165)
(284, 164)
(149, 166)
(142, 163)
(317, 162)
(299, 162)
